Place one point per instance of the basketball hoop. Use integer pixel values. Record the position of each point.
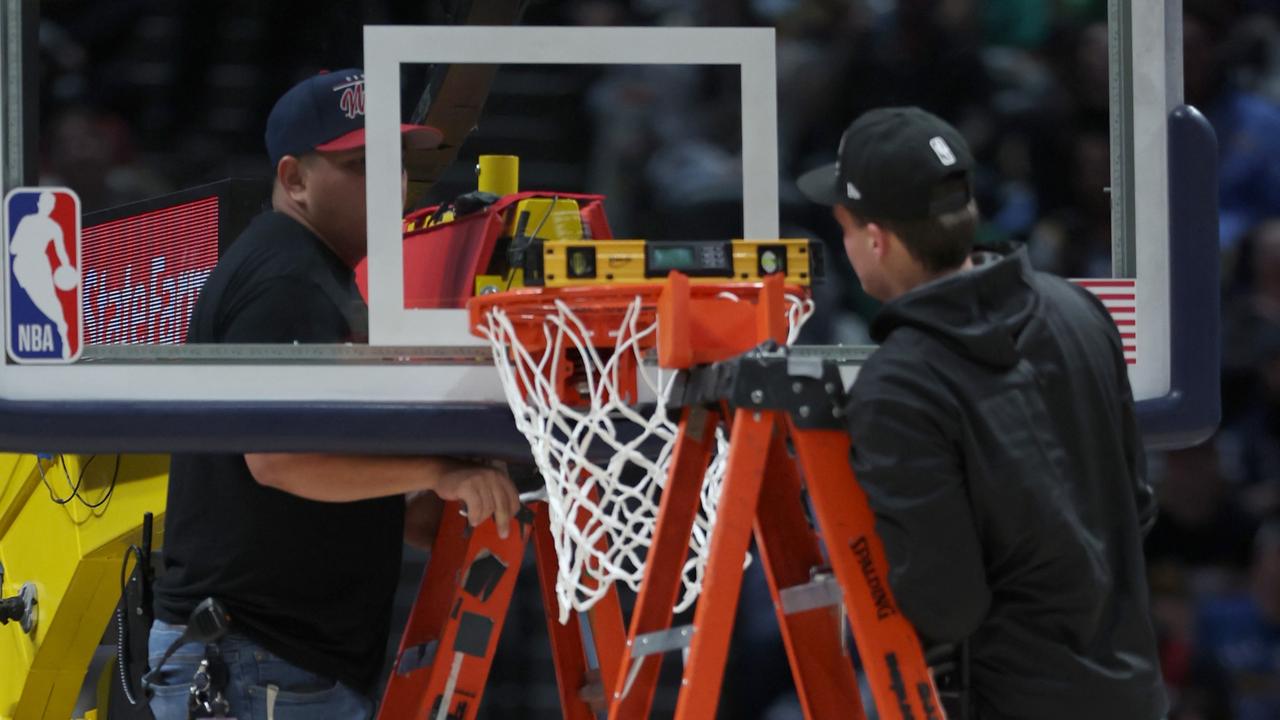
(577, 369)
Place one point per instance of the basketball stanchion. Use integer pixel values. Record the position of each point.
(667, 506)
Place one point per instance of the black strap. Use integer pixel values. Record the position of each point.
(950, 667)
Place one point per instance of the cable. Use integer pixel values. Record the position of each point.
(122, 622)
(111, 488)
(124, 565)
(511, 272)
(554, 199)
(75, 488)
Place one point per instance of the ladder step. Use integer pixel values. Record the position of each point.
(821, 592)
(660, 641)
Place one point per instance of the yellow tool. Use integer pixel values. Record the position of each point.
(560, 263)
(498, 174)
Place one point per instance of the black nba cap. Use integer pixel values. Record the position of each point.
(325, 112)
(890, 165)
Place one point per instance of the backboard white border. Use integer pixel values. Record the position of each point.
(388, 47)
(1155, 34)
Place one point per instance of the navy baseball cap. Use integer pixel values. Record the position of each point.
(325, 113)
(891, 165)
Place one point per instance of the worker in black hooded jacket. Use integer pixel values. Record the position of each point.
(995, 437)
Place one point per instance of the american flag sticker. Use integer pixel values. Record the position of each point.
(1120, 297)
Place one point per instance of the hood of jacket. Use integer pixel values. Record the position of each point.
(980, 312)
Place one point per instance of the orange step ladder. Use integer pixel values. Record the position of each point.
(773, 403)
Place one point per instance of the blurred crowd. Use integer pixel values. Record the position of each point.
(1028, 85)
(138, 97)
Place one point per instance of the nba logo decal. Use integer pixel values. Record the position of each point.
(42, 275)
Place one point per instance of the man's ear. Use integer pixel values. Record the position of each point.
(292, 176)
(879, 237)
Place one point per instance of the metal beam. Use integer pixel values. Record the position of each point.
(18, 93)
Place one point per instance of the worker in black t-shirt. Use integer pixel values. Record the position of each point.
(303, 550)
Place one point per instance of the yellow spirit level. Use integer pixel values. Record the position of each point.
(560, 263)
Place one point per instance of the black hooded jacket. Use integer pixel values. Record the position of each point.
(994, 433)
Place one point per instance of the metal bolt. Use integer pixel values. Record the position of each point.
(804, 411)
(755, 417)
(796, 387)
(757, 396)
(837, 411)
(830, 388)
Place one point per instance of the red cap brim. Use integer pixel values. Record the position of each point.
(417, 137)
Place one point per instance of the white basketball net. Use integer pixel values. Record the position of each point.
(603, 516)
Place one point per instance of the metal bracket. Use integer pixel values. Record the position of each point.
(27, 594)
(823, 591)
(770, 377)
(658, 641)
(661, 641)
(20, 608)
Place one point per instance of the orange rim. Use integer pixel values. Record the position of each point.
(600, 308)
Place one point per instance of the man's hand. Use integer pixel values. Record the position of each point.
(485, 490)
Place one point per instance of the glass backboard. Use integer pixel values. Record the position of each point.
(423, 383)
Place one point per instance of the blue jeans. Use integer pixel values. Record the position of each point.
(261, 685)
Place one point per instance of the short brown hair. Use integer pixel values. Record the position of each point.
(941, 242)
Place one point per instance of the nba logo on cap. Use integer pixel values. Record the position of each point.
(42, 275)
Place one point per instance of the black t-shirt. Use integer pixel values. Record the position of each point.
(310, 581)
